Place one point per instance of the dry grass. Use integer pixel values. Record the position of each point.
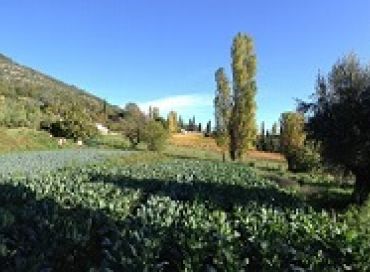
(198, 141)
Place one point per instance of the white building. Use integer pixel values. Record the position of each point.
(102, 129)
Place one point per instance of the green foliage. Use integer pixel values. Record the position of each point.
(19, 113)
(293, 135)
(292, 141)
(109, 141)
(223, 106)
(182, 215)
(192, 126)
(243, 128)
(181, 123)
(23, 139)
(339, 118)
(208, 129)
(74, 123)
(304, 159)
(28, 93)
(132, 125)
(155, 135)
(154, 113)
(268, 140)
(172, 122)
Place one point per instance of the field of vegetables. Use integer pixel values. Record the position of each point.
(36, 162)
(171, 215)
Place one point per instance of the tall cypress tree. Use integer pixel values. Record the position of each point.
(243, 128)
(150, 112)
(223, 106)
(181, 122)
(262, 139)
(274, 129)
(209, 129)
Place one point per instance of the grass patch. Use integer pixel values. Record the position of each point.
(25, 139)
(109, 142)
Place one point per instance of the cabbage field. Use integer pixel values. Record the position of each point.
(171, 215)
(36, 162)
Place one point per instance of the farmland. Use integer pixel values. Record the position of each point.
(208, 144)
(35, 162)
(157, 213)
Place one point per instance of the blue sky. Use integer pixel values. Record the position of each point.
(165, 52)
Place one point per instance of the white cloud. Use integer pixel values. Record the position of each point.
(178, 103)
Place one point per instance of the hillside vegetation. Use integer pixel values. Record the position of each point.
(26, 93)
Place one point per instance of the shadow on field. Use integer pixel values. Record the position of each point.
(192, 157)
(41, 235)
(215, 195)
(328, 196)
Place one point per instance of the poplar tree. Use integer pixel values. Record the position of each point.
(243, 128)
(223, 106)
(172, 122)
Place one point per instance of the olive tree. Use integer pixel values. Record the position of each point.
(339, 117)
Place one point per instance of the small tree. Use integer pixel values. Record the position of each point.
(74, 123)
(293, 136)
(155, 135)
(133, 123)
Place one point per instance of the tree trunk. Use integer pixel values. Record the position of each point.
(232, 145)
(290, 163)
(362, 187)
(232, 154)
(223, 156)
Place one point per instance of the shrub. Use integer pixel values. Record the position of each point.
(155, 135)
(75, 124)
(304, 159)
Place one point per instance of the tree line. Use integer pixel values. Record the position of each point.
(332, 129)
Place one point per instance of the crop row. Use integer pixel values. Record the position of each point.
(180, 215)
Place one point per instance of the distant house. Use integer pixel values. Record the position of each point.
(102, 129)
